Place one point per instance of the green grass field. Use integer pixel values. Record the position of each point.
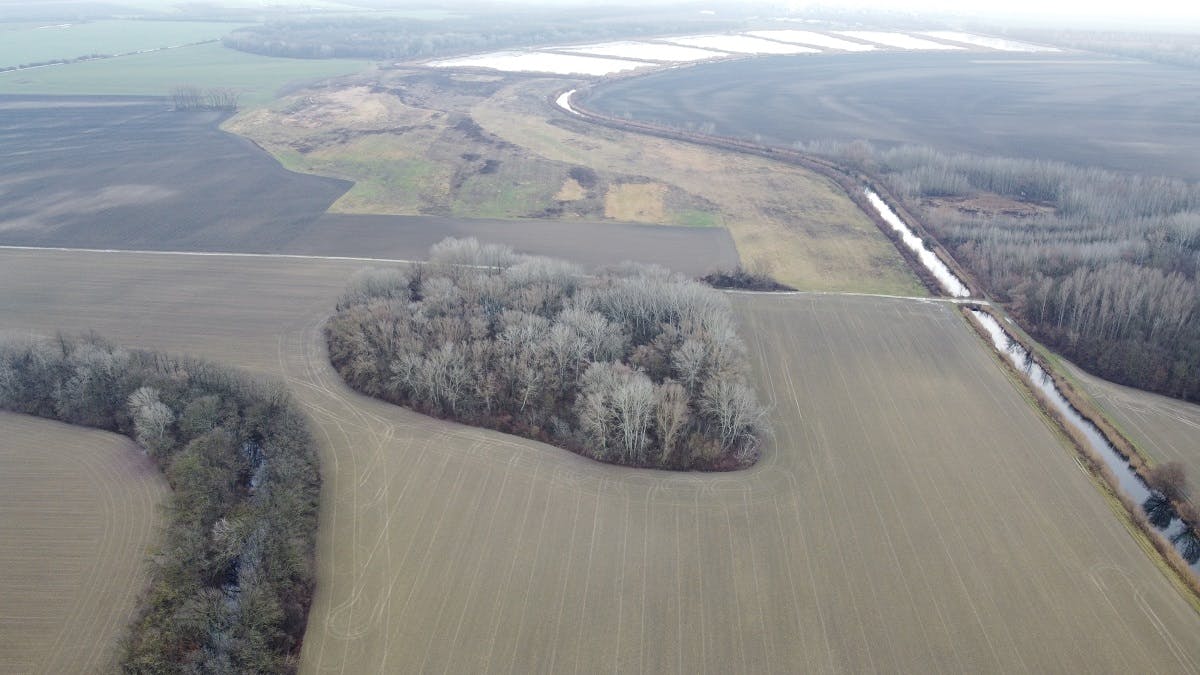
(31, 43)
(155, 74)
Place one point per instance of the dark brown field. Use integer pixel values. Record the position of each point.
(130, 174)
(1078, 108)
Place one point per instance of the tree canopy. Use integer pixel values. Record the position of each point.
(634, 366)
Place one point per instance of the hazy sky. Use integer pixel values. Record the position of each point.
(1084, 11)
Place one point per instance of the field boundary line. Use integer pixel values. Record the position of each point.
(916, 298)
(344, 258)
(226, 254)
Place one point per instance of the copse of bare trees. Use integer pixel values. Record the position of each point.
(1103, 266)
(636, 366)
(194, 98)
(233, 576)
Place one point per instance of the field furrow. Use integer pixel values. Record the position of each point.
(912, 511)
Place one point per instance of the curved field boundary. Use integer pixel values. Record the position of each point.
(79, 510)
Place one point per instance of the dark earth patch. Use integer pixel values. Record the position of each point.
(74, 173)
(1119, 114)
(128, 173)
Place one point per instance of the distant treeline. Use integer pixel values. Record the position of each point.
(1180, 49)
(395, 38)
(636, 366)
(53, 62)
(1105, 271)
(232, 578)
(88, 57)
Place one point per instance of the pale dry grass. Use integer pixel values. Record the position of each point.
(570, 191)
(636, 202)
(911, 513)
(79, 512)
(785, 220)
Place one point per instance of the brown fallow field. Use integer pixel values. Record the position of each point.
(79, 512)
(912, 511)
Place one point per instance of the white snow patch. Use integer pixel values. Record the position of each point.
(739, 44)
(649, 51)
(541, 62)
(897, 40)
(808, 37)
(564, 101)
(999, 44)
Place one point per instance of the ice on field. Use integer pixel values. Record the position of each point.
(739, 44)
(648, 51)
(999, 44)
(541, 62)
(808, 37)
(897, 40)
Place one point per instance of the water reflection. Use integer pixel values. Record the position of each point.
(1158, 508)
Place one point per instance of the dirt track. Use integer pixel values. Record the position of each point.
(912, 514)
(79, 511)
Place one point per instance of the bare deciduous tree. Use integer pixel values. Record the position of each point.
(1169, 478)
(613, 366)
(670, 417)
(151, 418)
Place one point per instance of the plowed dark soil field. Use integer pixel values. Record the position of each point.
(128, 173)
(1079, 108)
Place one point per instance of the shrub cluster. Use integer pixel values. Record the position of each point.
(1169, 500)
(232, 580)
(742, 279)
(636, 366)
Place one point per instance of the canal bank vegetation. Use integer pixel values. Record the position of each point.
(636, 366)
(1166, 483)
(1099, 266)
(232, 580)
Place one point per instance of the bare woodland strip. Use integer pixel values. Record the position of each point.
(636, 366)
(1099, 266)
(232, 580)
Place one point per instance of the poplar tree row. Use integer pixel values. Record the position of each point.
(1100, 266)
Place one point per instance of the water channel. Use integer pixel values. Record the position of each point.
(1160, 513)
(948, 281)
(1130, 482)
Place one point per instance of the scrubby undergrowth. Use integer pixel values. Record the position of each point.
(740, 278)
(636, 366)
(232, 579)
